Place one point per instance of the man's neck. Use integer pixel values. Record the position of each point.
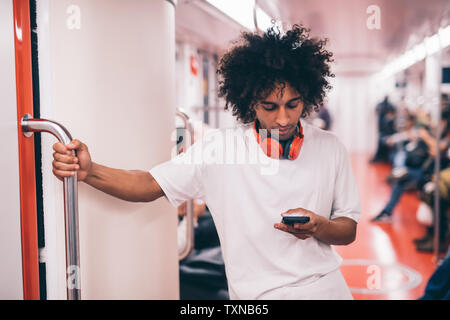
(282, 141)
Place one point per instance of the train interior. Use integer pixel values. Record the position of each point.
(137, 82)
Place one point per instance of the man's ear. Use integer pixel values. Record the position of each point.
(304, 113)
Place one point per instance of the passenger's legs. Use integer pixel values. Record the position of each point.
(397, 190)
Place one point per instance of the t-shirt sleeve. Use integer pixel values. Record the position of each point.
(346, 201)
(181, 178)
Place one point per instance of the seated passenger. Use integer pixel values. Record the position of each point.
(426, 243)
(399, 141)
(386, 128)
(438, 287)
(419, 161)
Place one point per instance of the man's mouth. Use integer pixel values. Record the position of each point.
(284, 131)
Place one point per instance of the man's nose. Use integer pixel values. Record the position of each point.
(282, 117)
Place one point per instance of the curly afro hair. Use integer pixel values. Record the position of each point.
(251, 70)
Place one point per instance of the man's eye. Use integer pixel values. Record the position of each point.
(269, 107)
(293, 105)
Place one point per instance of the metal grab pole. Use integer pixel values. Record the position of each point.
(189, 245)
(437, 165)
(30, 125)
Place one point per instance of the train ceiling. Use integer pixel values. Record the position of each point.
(402, 24)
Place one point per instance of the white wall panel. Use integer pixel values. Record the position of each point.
(109, 78)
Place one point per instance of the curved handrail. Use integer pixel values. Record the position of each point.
(189, 245)
(30, 125)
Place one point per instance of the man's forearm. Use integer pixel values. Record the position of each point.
(338, 231)
(129, 185)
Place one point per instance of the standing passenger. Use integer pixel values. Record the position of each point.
(284, 167)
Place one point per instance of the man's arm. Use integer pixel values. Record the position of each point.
(129, 185)
(337, 231)
(432, 143)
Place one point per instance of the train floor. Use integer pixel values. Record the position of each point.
(383, 262)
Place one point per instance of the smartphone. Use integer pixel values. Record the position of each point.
(291, 220)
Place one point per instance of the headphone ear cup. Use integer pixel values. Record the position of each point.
(294, 149)
(272, 148)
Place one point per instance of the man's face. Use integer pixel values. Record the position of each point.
(281, 110)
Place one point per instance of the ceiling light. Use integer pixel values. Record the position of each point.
(239, 10)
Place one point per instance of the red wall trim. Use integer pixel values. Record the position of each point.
(28, 214)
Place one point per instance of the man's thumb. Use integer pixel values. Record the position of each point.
(75, 144)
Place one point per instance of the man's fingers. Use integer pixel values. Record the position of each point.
(62, 149)
(303, 226)
(60, 173)
(65, 162)
(59, 147)
(68, 149)
(290, 229)
(76, 144)
(295, 211)
(297, 227)
(303, 235)
(64, 158)
(65, 167)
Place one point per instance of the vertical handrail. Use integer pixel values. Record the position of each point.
(30, 125)
(189, 244)
(437, 164)
(437, 175)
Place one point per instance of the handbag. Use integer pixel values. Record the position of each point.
(416, 153)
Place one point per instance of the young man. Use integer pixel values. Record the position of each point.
(270, 81)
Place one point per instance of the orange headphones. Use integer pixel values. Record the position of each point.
(291, 148)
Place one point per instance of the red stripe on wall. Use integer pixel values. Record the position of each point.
(28, 215)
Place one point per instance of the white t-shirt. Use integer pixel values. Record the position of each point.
(246, 192)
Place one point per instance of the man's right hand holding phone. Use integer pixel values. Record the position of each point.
(299, 222)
